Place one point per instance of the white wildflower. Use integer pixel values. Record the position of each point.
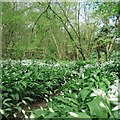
(51, 93)
(77, 83)
(83, 76)
(76, 96)
(102, 105)
(41, 107)
(74, 72)
(1, 111)
(113, 99)
(87, 66)
(46, 100)
(26, 116)
(93, 95)
(32, 115)
(82, 110)
(14, 115)
(57, 64)
(73, 114)
(51, 110)
(113, 93)
(71, 75)
(98, 92)
(79, 89)
(24, 102)
(70, 91)
(23, 111)
(114, 87)
(117, 107)
(61, 93)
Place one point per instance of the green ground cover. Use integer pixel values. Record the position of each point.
(71, 89)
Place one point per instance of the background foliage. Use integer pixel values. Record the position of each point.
(49, 53)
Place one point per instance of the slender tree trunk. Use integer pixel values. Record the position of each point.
(75, 15)
(58, 51)
(67, 30)
(65, 34)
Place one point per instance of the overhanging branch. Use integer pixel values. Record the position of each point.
(40, 17)
(72, 39)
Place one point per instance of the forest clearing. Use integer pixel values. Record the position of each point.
(60, 60)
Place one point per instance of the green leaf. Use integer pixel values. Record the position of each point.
(116, 114)
(28, 98)
(73, 100)
(84, 93)
(18, 108)
(7, 99)
(96, 109)
(51, 115)
(5, 94)
(8, 109)
(24, 83)
(9, 90)
(38, 113)
(96, 78)
(59, 98)
(15, 96)
(6, 104)
(78, 115)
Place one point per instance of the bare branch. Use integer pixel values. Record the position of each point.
(69, 22)
(72, 39)
(40, 16)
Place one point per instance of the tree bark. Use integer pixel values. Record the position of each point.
(71, 37)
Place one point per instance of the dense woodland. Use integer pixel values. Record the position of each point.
(60, 60)
(57, 30)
